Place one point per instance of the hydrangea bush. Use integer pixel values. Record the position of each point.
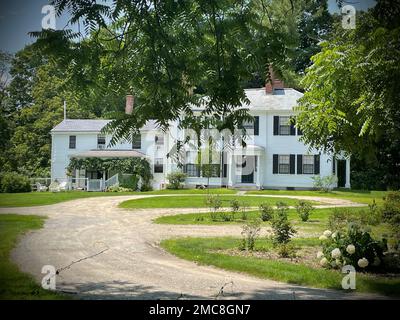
(353, 246)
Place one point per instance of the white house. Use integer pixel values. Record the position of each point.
(273, 157)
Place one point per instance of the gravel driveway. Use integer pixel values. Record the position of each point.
(132, 265)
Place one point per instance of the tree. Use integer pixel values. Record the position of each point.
(171, 53)
(353, 94)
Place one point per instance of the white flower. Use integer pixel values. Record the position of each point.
(323, 262)
(350, 249)
(336, 253)
(334, 235)
(376, 262)
(338, 262)
(323, 238)
(363, 263)
(320, 254)
(327, 233)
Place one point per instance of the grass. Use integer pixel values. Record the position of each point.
(203, 251)
(13, 283)
(317, 216)
(362, 196)
(45, 198)
(198, 201)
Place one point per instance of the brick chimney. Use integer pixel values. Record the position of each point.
(272, 82)
(130, 100)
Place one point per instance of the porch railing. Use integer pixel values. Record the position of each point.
(113, 181)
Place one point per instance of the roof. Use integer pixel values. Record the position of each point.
(284, 99)
(109, 154)
(90, 125)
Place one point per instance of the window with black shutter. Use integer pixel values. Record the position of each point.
(284, 164)
(72, 142)
(308, 164)
(284, 126)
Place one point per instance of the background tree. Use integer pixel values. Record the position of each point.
(353, 94)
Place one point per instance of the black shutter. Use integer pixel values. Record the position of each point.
(256, 125)
(299, 164)
(316, 164)
(292, 127)
(275, 164)
(292, 163)
(276, 125)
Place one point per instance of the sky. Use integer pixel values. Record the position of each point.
(19, 17)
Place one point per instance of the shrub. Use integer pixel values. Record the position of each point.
(118, 189)
(176, 180)
(325, 184)
(304, 209)
(244, 210)
(225, 216)
(391, 215)
(266, 212)
(286, 250)
(353, 246)
(128, 181)
(214, 203)
(235, 207)
(281, 227)
(339, 218)
(12, 182)
(250, 233)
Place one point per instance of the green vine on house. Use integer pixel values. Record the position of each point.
(138, 167)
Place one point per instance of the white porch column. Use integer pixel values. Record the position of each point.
(258, 183)
(348, 173)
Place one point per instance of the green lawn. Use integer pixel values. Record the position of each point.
(46, 198)
(202, 250)
(13, 283)
(317, 216)
(353, 195)
(197, 201)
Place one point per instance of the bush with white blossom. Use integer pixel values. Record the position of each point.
(353, 246)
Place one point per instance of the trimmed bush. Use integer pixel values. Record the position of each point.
(12, 182)
(176, 180)
(266, 212)
(304, 209)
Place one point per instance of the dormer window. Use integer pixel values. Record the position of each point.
(101, 142)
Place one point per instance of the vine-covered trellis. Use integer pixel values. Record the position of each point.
(139, 167)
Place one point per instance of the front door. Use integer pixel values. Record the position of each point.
(341, 173)
(248, 166)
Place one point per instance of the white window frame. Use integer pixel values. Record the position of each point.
(284, 123)
(308, 162)
(283, 161)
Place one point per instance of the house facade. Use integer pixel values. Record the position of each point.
(273, 156)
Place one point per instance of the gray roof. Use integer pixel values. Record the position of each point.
(109, 154)
(284, 99)
(90, 125)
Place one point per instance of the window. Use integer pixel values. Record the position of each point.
(284, 164)
(308, 164)
(101, 142)
(159, 165)
(284, 126)
(72, 142)
(159, 139)
(252, 127)
(192, 170)
(137, 141)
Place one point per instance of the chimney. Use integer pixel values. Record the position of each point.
(272, 82)
(130, 100)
